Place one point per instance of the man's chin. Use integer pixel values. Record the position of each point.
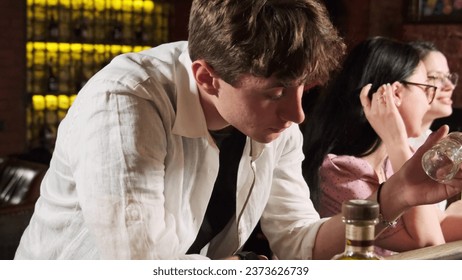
(267, 138)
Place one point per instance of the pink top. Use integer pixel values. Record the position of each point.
(347, 177)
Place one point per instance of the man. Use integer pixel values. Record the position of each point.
(160, 145)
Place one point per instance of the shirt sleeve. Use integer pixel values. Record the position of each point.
(118, 161)
(290, 220)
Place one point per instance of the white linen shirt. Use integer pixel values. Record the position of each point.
(134, 167)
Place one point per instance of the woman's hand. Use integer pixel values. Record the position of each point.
(383, 115)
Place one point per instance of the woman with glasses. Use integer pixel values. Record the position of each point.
(358, 135)
(438, 74)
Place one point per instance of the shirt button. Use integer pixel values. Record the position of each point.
(133, 213)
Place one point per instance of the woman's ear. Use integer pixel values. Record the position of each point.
(205, 77)
(398, 90)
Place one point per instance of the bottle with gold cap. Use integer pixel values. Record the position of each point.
(360, 217)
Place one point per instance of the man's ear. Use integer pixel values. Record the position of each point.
(205, 77)
(398, 90)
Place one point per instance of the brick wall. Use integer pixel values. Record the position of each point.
(360, 19)
(12, 77)
(447, 38)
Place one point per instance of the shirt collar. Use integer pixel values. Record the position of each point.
(190, 118)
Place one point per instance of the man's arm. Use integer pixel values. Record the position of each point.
(408, 187)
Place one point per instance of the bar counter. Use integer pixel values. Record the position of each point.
(448, 251)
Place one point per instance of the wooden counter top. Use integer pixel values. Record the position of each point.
(448, 251)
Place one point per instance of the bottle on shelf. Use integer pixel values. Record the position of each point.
(81, 30)
(53, 28)
(360, 217)
(52, 79)
(41, 133)
(116, 35)
(140, 35)
(68, 41)
(80, 77)
(139, 20)
(47, 133)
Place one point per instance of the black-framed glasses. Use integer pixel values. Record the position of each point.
(430, 90)
(442, 79)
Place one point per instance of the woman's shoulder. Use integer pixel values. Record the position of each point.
(346, 171)
(341, 178)
(346, 163)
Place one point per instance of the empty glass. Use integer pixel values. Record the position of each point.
(443, 160)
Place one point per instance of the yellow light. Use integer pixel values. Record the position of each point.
(99, 5)
(71, 99)
(61, 115)
(125, 5)
(51, 102)
(29, 47)
(52, 47)
(64, 47)
(116, 49)
(88, 47)
(140, 48)
(38, 102)
(116, 4)
(126, 49)
(137, 4)
(63, 102)
(76, 47)
(35, 46)
(149, 6)
(100, 48)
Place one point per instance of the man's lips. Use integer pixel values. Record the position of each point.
(279, 130)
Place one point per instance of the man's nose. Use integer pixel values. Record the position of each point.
(292, 109)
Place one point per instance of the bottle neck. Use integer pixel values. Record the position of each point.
(359, 238)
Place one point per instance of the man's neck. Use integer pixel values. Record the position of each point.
(212, 116)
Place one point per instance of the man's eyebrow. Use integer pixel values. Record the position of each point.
(275, 85)
(282, 84)
(437, 72)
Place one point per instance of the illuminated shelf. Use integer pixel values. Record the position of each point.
(52, 102)
(79, 47)
(68, 41)
(125, 5)
(62, 53)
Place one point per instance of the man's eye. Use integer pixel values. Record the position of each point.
(275, 96)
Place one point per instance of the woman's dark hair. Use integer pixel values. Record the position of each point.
(338, 124)
(424, 48)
